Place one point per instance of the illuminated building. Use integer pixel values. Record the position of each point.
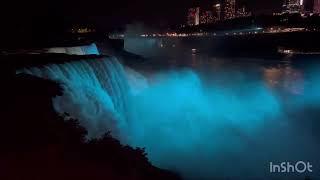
(316, 6)
(293, 6)
(217, 12)
(193, 16)
(206, 17)
(242, 12)
(229, 9)
(197, 16)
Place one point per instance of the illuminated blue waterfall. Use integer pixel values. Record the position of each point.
(200, 129)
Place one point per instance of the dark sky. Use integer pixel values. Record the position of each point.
(117, 12)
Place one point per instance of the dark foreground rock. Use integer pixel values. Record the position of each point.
(37, 143)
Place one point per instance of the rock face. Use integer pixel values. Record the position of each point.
(37, 143)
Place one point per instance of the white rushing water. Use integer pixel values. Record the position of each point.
(95, 92)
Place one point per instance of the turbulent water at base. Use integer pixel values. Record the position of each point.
(200, 129)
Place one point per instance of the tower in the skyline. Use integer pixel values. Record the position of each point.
(229, 9)
(193, 16)
(217, 12)
(197, 19)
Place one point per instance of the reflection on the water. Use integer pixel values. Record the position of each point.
(284, 78)
(279, 75)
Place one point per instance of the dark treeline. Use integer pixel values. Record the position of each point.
(37, 143)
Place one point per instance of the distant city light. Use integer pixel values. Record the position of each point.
(234, 32)
(82, 30)
(198, 16)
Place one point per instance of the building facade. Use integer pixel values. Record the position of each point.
(293, 6)
(229, 9)
(206, 17)
(242, 12)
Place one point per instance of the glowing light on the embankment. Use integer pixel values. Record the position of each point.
(235, 32)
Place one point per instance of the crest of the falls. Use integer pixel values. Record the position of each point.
(90, 49)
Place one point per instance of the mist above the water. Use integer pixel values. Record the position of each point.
(206, 130)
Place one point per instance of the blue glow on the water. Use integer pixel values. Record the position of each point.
(179, 117)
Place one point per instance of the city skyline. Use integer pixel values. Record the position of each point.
(230, 9)
(120, 12)
(123, 12)
(216, 12)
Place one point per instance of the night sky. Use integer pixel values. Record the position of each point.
(118, 12)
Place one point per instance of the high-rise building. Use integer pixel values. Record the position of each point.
(229, 9)
(197, 19)
(302, 6)
(193, 16)
(206, 17)
(217, 12)
(242, 12)
(316, 6)
(292, 2)
(292, 6)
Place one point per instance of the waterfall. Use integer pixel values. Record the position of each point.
(96, 92)
(203, 129)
